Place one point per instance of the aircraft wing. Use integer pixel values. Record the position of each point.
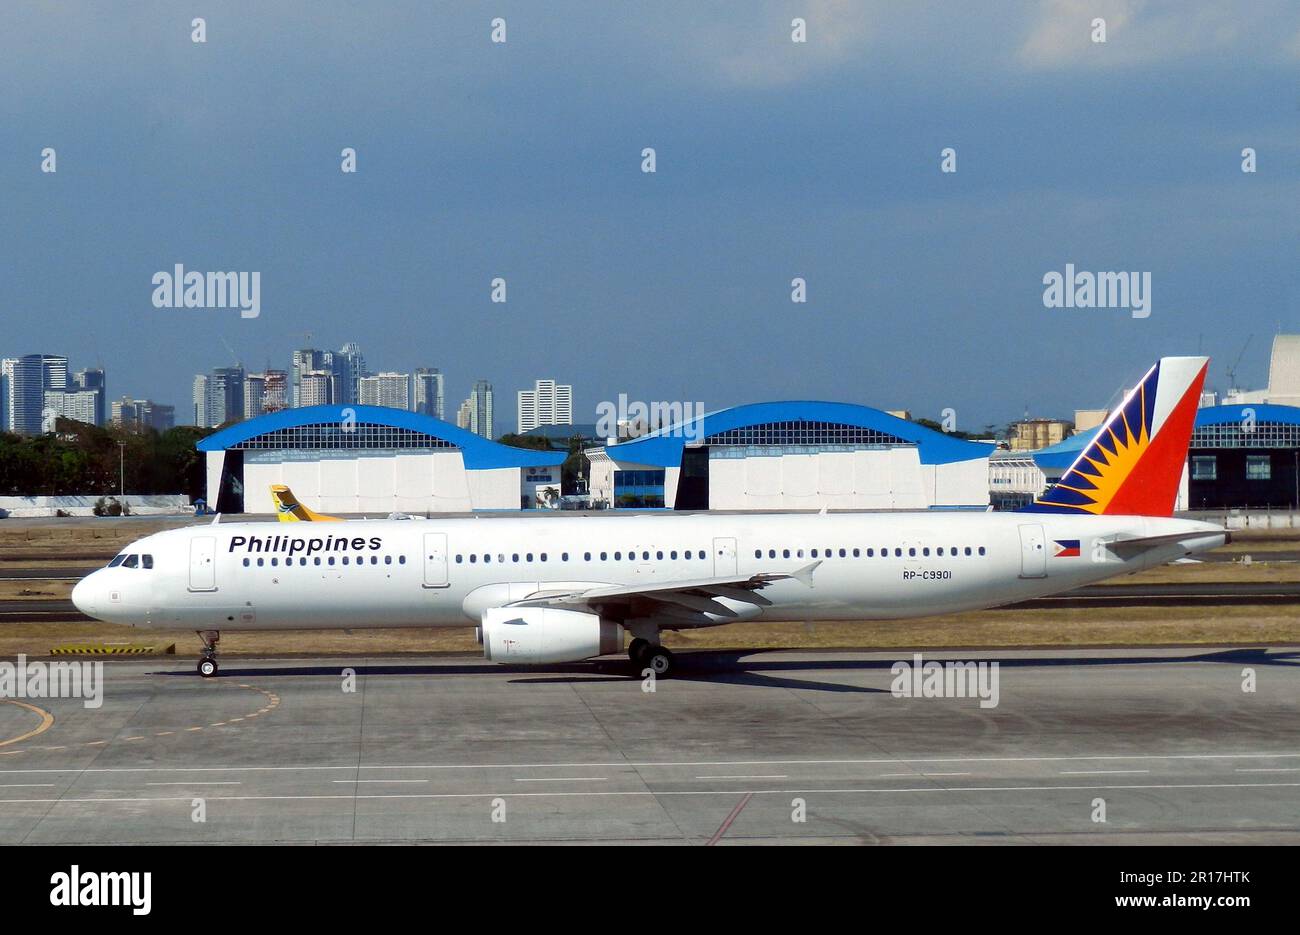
(687, 599)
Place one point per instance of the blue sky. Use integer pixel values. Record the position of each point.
(775, 160)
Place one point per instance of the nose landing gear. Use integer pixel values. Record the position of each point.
(208, 661)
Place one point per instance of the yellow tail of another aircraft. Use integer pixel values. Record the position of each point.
(289, 510)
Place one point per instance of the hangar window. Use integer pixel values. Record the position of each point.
(1259, 467)
(330, 436)
(803, 432)
(1205, 467)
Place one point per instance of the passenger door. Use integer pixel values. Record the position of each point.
(203, 564)
(435, 560)
(1033, 551)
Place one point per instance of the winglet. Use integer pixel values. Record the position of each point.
(804, 575)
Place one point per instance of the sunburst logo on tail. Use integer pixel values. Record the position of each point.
(1135, 462)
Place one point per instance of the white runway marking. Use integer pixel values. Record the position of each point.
(927, 790)
(891, 761)
(565, 779)
(742, 777)
(1268, 769)
(379, 780)
(1101, 772)
(224, 782)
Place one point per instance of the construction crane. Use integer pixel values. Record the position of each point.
(1232, 371)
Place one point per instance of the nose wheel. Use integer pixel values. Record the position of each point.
(208, 661)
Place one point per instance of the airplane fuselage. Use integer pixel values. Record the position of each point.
(430, 573)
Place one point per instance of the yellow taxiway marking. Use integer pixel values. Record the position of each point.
(47, 721)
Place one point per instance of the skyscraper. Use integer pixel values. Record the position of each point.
(316, 388)
(427, 392)
(94, 380)
(23, 380)
(386, 389)
(254, 392)
(226, 395)
(274, 391)
(307, 360)
(201, 409)
(349, 367)
(480, 409)
(548, 403)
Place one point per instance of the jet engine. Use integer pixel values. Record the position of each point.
(544, 634)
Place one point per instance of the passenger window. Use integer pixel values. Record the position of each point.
(673, 555)
(458, 559)
(401, 559)
(898, 552)
(857, 553)
(262, 561)
(529, 556)
(514, 557)
(870, 553)
(586, 556)
(316, 560)
(843, 553)
(814, 553)
(618, 556)
(276, 562)
(659, 556)
(604, 556)
(564, 556)
(259, 561)
(388, 560)
(542, 556)
(785, 553)
(981, 550)
(246, 563)
(473, 559)
(926, 551)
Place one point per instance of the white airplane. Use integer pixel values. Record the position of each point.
(556, 588)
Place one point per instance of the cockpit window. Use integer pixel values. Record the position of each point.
(132, 561)
(146, 561)
(117, 560)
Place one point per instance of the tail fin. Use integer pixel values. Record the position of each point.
(1134, 464)
(289, 510)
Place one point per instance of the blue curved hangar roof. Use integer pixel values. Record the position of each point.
(371, 428)
(795, 423)
(1062, 454)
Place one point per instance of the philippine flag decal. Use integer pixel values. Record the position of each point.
(1066, 548)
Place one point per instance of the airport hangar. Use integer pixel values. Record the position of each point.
(1240, 457)
(370, 459)
(792, 455)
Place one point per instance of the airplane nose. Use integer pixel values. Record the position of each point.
(83, 596)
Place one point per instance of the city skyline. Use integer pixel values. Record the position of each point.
(775, 161)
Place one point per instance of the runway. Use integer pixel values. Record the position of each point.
(789, 747)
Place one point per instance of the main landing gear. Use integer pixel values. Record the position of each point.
(208, 661)
(647, 655)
